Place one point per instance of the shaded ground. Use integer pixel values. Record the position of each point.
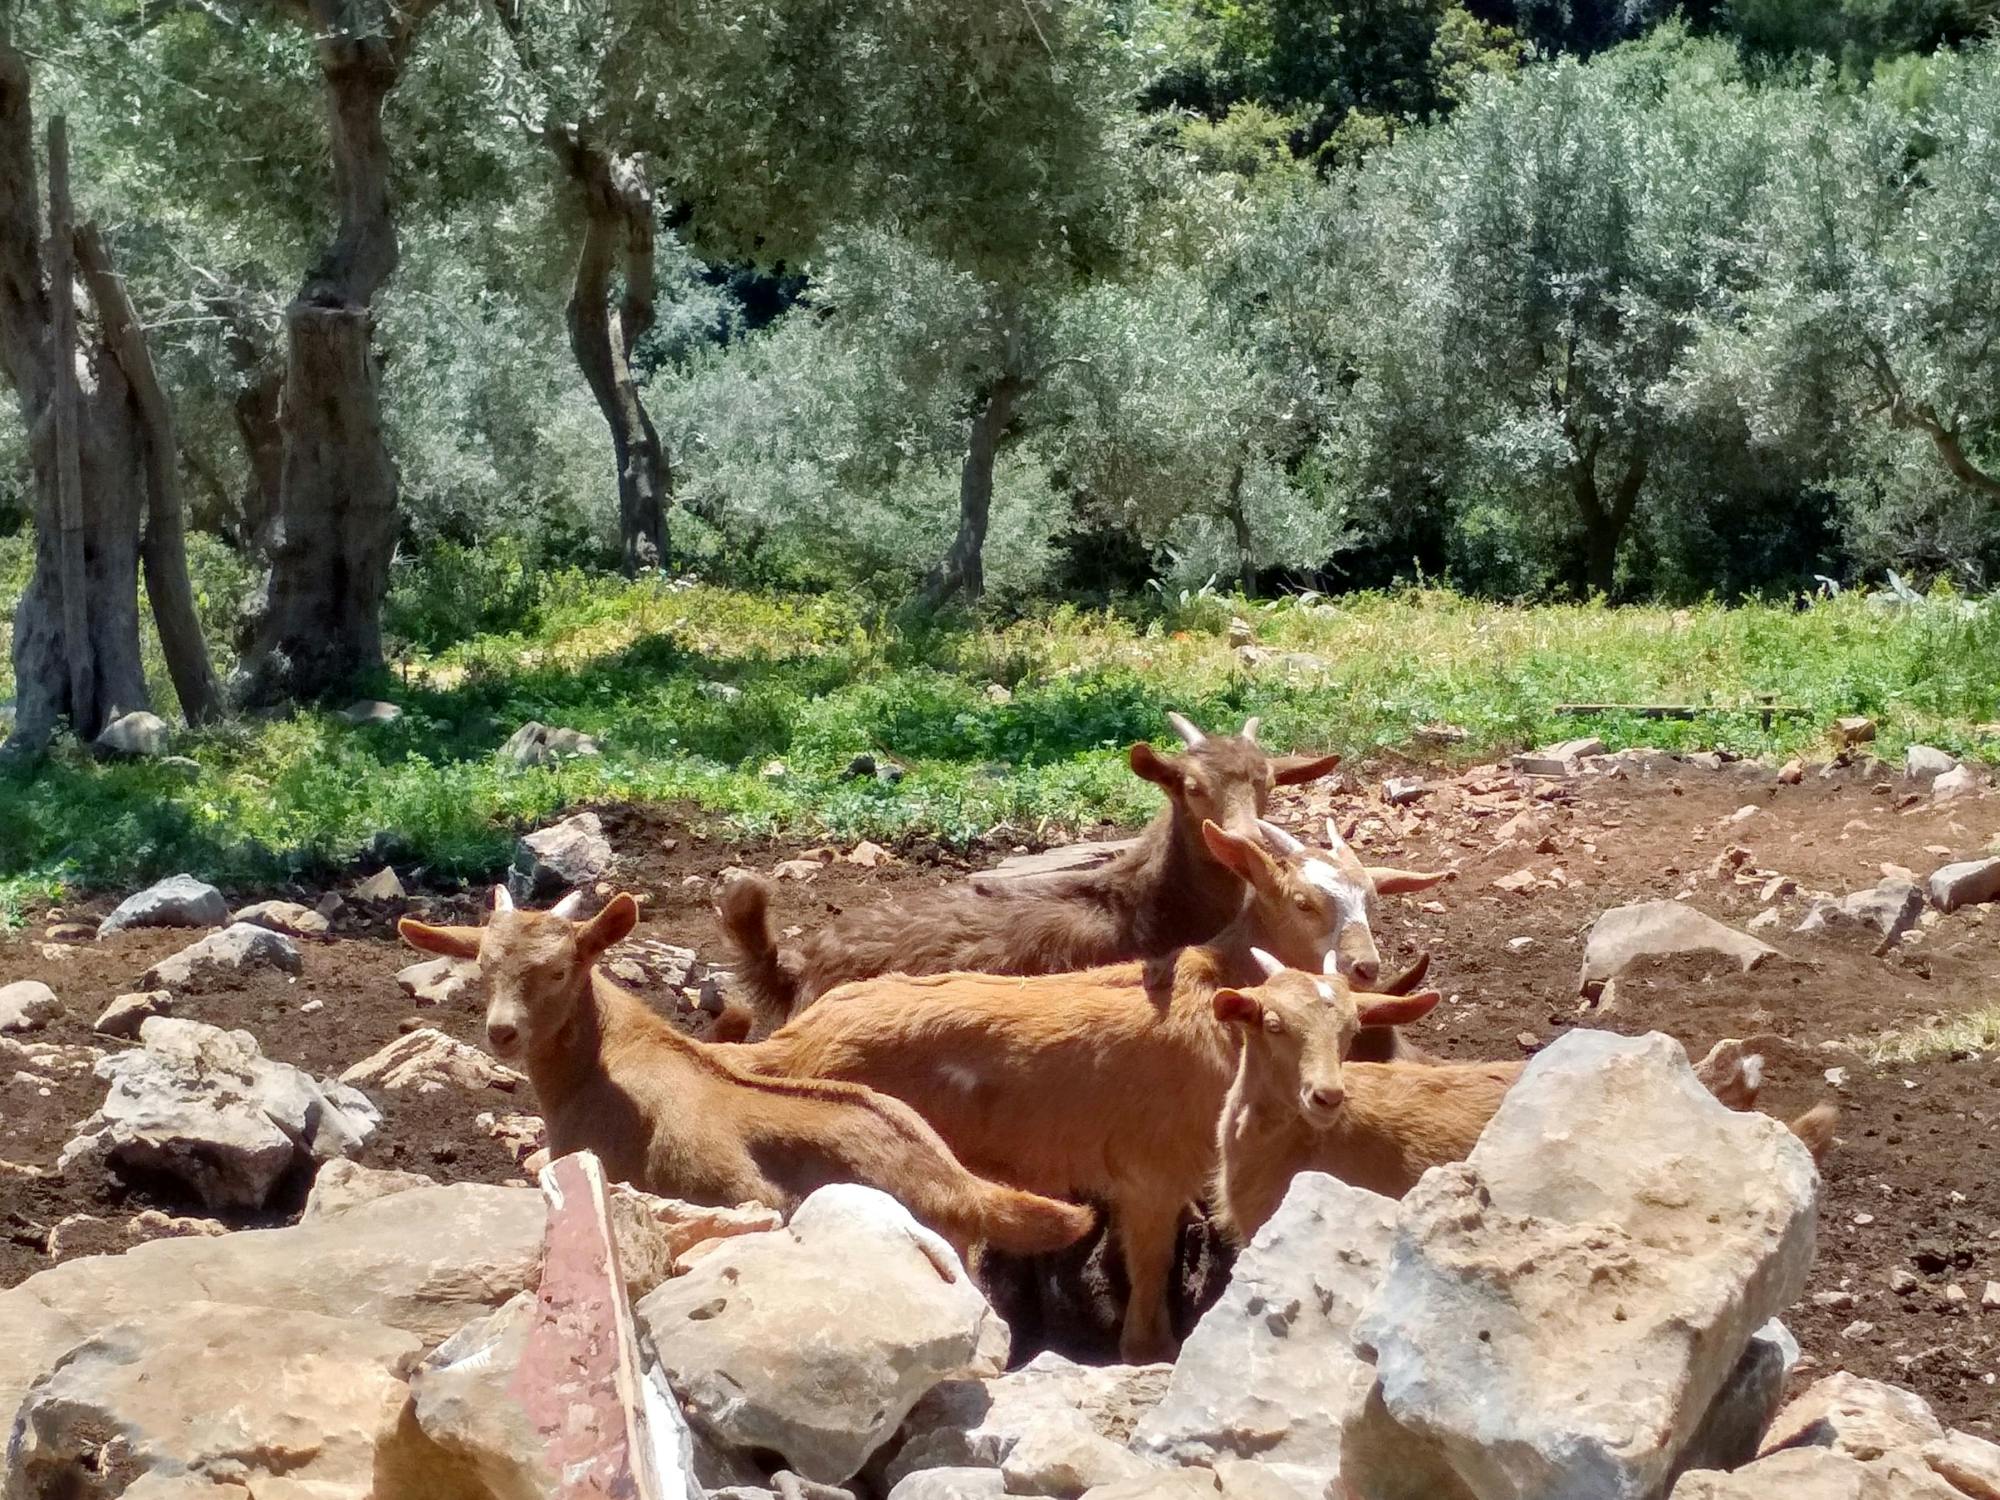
(1913, 1183)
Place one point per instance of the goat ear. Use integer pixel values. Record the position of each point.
(1297, 770)
(452, 942)
(1234, 1008)
(1164, 771)
(612, 925)
(1391, 882)
(1395, 1010)
(1234, 852)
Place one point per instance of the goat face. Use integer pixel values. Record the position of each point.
(536, 965)
(1223, 779)
(1299, 1028)
(1310, 910)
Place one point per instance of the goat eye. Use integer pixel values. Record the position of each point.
(1193, 788)
(1304, 903)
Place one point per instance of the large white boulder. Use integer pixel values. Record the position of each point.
(27, 1005)
(1562, 1309)
(177, 901)
(427, 1060)
(571, 853)
(207, 1107)
(1625, 935)
(1887, 911)
(424, 1260)
(814, 1341)
(271, 1399)
(1270, 1372)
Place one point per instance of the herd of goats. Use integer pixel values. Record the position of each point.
(1201, 1018)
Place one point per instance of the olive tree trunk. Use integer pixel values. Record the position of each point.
(963, 569)
(76, 628)
(319, 623)
(618, 238)
(1605, 518)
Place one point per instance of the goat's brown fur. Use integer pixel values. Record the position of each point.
(676, 1117)
(1297, 1105)
(1090, 1084)
(1164, 892)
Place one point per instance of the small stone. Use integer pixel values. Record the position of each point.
(1954, 1295)
(1990, 1298)
(1398, 791)
(427, 1060)
(1834, 1301)
(1856, 729)
(1888, 910)
(177, 901)
(370, 711)
(996, 693)
(1776, 886)
(383, 885)
(438, 981)
(27, 1005)
(1763, 921)
(861, 768)
(1955, 783)
(796, 869)
(1744, 813)
(721, 692)
(1903, 1281)
(1927, 763)
(1967, 883)
(70, 932)
(287, 917)
(124, 1016)
(1792, 772)
(868, 856)
(563, 856)
(1520, 945)
(773, 770)
(536, 744)
(1514, 884)
(139, 736)
(234, 949)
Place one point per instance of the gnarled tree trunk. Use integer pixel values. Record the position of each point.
(618, 233)
(1605, 520)
(319, 624)
(76, 629)
(258, 408)
(963, 569)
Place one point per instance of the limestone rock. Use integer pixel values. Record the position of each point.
(1966, 883)
(1817, 1474)
(207, 1107)
(424, 1261)
(1955, 783)
(177, 901)
(288, 917)
(1624, 935)
(264, 1397)
(1270, 1371)
(1888, 910)
(1927, 763)
(1562, 1309)
(951, 1484)
(1862, 1418)
(1856, 729)
(231, 951)
(427, 1060)
(439, 981)
(342, 1184)
(816, 1340)
(654, 1234)
(1065, 1460)
(1739, 1416)
(573, 852)
(139, 736)
(1558, 760)
(27, 1005)
(127, 1013)
(536, 744)
(1169, 1484)
(1970, 1465)
(383, 885)
(977, 1423)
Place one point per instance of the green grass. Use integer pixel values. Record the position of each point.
(822, 677)
(1935, 1041)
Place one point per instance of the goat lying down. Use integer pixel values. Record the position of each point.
(676, 1117)
(1164, 892)
(1300, 1103)
(1106, 1083)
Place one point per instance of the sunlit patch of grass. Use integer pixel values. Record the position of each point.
(1934, 1041)
(1019, 727)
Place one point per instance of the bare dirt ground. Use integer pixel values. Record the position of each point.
(1913, 1185)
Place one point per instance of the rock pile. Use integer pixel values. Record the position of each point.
(1574, 1311)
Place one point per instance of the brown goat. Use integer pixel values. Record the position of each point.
(1299, 1103)
(1161, 894)
(675, 1117)
(1082, 1084)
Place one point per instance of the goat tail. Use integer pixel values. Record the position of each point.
(1815, 1127)
(1009, 1219)
(771, 984)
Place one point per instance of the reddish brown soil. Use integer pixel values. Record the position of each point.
(1912, 1183)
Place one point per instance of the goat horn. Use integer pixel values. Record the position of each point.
(1250, 727)
(502, 902)
(567, 907)
(1280, 841)
(1409, 979)
(1271, 967)
(1333, 838)
(1190, 736)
